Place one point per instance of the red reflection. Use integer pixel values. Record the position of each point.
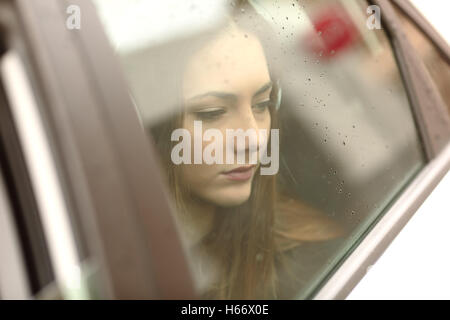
(335, 31)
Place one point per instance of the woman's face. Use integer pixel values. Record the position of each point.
(226, 85)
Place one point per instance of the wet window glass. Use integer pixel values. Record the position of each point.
(283, 128)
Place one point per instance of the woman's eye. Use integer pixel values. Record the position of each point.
(262, 106)
(210, 114)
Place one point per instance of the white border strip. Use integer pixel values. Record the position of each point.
(39, 160)
(370, 249)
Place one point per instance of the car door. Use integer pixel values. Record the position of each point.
(69, 162)
(364, 138)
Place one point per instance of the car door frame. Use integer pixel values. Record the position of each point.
(109, 171)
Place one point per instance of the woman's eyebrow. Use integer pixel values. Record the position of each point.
(217, 94)
(264, 88)
(230, 96)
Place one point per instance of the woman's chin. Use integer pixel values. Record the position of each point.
(235, 196)
(233, 202)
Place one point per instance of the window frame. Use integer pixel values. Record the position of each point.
(108, 171)
(429, 109)
(111, 177)
(12, 268)
(421, 22)
(18, 187)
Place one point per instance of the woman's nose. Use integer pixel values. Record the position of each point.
(247, 133)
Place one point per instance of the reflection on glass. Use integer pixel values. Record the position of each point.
(283, 129)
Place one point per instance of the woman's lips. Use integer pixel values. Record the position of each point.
(240, 174)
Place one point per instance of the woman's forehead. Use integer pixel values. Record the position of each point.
(233, 62)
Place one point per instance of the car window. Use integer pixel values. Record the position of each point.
(284, 132)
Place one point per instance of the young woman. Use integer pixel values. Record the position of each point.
(245, 234)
